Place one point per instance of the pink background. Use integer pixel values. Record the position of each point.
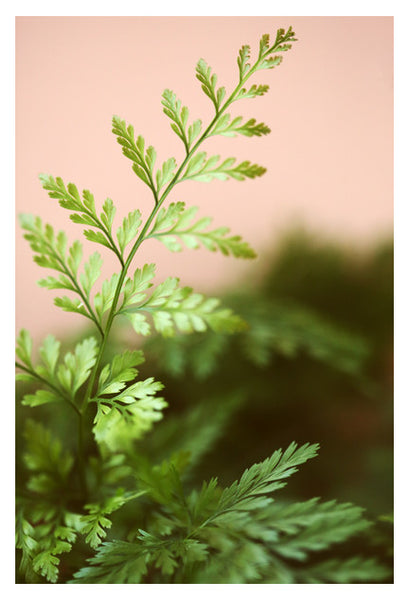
(329, 155)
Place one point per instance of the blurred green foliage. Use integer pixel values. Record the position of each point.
(314, 365)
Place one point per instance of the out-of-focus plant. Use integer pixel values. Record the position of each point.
(134, 517)
(299, 369)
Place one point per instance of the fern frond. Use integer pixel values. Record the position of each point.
(126, 416)
(84, 210)
(95, 523)
(64, 379)
(45, 458)
(143, 161)
(230, 128)
(261, 478)
(104, 299)
(42, 537)
(356, 569)
(176, 223)
(209, 80)
(51, 252)
(201, 168)
(172, 307)
(179, 116)
(129, 229)
(115, 375)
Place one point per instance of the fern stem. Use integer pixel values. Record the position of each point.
(207, 131)
(142, 236)
(81, 455)
(48, 384)
(112, 314)
(159, 200)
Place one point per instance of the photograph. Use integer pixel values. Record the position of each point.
(204, 299)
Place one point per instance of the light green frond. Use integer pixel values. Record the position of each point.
(209, 80)
(175, 227)
(179, 308)
(201, 168)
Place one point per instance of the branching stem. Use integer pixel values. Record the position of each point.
(50, 385)
(158, 200)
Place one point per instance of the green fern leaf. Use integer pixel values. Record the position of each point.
(179, 116)
(123, 418)
(114, 376)
(69, 305)
(194, 131)
(60, 283)
(85, 211)
(232, 128)
(311, 526)
(142, 162)
(49, 247)
(172, 307)
(96, 522)
(244, 56)
(40, 397)
(253, 91)
(175, 223)
(44, 455)
(134, 289)
(103, 300)
(24, 347)
(166, 174)
(47, 563)
(129, 229)
(108, 214)
(51, 253)
(200, 168)
(92, 271)
(125, 562)
(42, 534)
(97, 237)
(115, 562)
(351, 570)
(172, 107)
(77, 366)
(209, 81)
(260, 479)
(74, 257)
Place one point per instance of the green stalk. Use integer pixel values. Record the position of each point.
(81, 457)
(142, 236)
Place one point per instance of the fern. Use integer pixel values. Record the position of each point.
(274, 329)
(201, 168)
(203, 535)
(172, 306)
(99, 475)
(175, 223)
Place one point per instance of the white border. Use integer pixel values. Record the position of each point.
(213, 8)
